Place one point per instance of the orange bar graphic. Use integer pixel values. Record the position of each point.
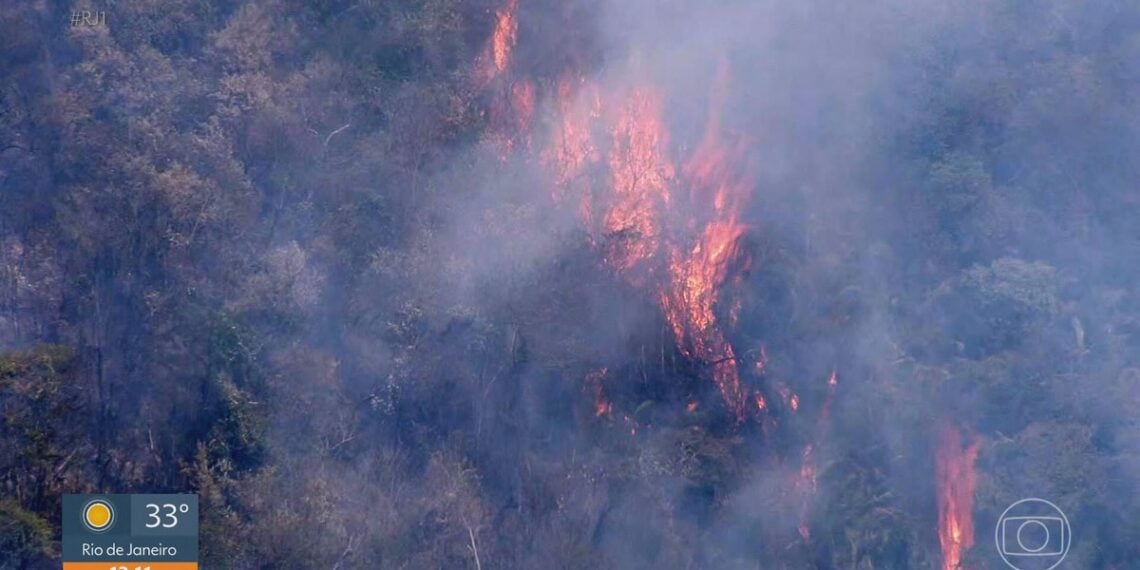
(130, 565)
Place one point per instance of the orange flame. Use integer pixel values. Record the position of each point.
(640, 226)
(573, 150)
(503, 39)
(640, 178)
(696, 276)
(513, 102)
(594, 380)
(956, 478)
(642, 232)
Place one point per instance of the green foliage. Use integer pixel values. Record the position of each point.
(1030, 287)
(961, 182)
(864, 524)
(221, 531)
(25, 539)
(986, 309)
(238, 432)
(44, 423)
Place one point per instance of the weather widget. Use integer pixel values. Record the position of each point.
(130, 532)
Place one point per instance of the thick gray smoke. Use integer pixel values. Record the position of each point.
(938, 214)
(329, 262)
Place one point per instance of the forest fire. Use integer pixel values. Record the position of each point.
(506, 272)
(669, 226)
(956, 478)
(684, 252)
(648, 230)
(666, 225)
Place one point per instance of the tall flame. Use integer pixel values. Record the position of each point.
(956, 478)
(648, 231)
(696, 275)
(503, 39)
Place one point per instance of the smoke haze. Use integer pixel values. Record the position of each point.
(539, 284)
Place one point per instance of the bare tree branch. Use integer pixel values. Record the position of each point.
(474, 548)
(336, 132)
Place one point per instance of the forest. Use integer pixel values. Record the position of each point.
(574, 284)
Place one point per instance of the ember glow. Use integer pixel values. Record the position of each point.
(956, 478)
(832, 384)
(761, 365)
(594, 383)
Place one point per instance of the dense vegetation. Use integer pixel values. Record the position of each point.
(259, 251)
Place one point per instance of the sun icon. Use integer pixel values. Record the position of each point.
(98, 515)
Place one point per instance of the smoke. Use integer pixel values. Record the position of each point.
(922, 209)
(630, 283)
(681, 284)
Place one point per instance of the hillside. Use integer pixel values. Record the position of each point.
(576, 285)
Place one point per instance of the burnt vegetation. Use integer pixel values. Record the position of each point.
(521, 284)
